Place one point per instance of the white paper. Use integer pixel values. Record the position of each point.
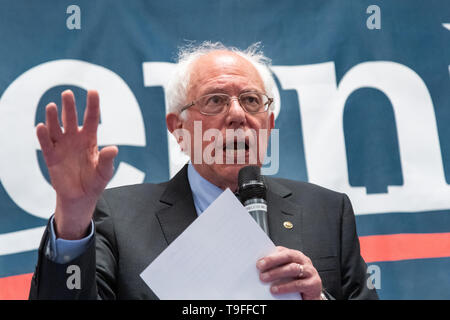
(214, 258)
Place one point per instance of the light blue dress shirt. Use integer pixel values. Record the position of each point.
(203, 192)
(63, 251)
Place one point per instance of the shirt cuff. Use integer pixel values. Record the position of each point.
(62, 251)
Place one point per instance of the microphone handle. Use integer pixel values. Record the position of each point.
(258, 210)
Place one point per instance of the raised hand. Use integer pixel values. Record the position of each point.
(78, 171)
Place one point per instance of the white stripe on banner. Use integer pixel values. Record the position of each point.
(20, 241)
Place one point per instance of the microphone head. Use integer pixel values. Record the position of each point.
(249, 173)
(251, 184)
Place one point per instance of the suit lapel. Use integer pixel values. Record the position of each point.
(179, 210)
(283, 213)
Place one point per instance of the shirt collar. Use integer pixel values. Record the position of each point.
(203, 192)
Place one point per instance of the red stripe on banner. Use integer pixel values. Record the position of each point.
(391, 247)
(395, 247)
(15, 287)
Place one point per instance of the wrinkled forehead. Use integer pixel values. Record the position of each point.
(222, 65)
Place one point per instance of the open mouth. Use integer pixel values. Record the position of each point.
(239, 151)
(236, 145)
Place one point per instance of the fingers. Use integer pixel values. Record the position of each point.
(105, 166)
(91, 114)
(69, 115)
(52, 122)
(69, 112)
(290, 270)
(291, 286)
(43, 136)
(299, 285)
(281, 257)
(309, 285)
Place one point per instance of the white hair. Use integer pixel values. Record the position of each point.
(176, 94)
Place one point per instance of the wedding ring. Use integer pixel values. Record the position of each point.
(300, 274)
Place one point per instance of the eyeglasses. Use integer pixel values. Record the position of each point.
(217, 103)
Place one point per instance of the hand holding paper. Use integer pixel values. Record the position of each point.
(215, 258)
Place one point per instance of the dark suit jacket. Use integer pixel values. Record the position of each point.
(134, 224)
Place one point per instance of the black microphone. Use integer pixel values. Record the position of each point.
(252, 192)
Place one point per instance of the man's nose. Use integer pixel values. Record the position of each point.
(236, 114)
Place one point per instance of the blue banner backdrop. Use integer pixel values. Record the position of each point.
(363, 109)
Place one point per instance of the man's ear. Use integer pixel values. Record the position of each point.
(173, 122)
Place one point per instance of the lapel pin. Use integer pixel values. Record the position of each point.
(288, 225)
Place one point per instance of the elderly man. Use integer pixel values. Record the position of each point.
(114, 235)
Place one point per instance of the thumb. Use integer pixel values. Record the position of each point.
(105, 165)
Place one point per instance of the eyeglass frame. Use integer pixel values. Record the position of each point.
(268, 103)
